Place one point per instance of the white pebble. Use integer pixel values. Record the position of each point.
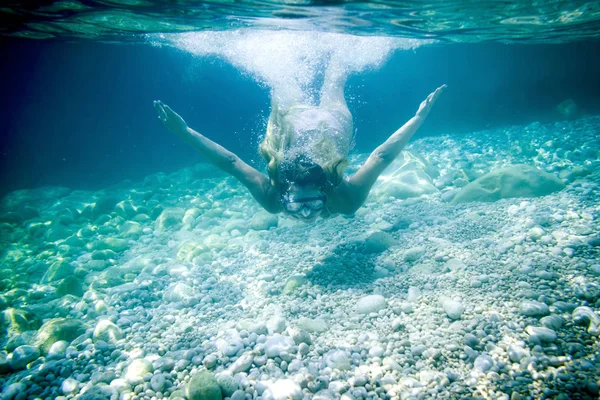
(454, 309)
(413, 294)
(369, 304)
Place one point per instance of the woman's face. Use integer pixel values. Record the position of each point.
(304, 202)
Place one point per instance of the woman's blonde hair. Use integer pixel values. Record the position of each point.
(287, 165)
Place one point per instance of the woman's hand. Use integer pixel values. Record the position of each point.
(171, 119)
(426, 105)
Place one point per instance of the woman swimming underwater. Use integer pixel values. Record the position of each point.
(306, 149)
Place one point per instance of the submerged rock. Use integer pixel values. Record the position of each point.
(16, 321)
(454, 309)
(532, 308)
(203, 386)
(483, 363)
(514, 181)
(263, 221)
(337, 359)
(585, 315)
(179, 292)
(227, 383)
(170, 218)
(107, 331)
(242, 364)
(70, 285)
(137, 370)
(316, 325)
(545, 335)
(408, 176)
(293, 283)
(378, 242)
(277, 344)
(191, 249)
(58, 270)
(22, 356)
(58, 329)
(369, 304)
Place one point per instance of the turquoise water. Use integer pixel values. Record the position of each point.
(133, 268)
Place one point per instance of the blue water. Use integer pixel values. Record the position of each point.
(80, 113)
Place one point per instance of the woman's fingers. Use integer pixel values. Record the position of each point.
(169, 111)
(434, 96)
(439, 90)
(159, 106)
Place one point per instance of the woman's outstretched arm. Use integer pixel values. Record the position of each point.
(356, 189)
(257, 183)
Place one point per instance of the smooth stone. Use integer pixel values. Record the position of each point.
(112, 243)
(69, 386)
(454, 264)
(57, 271)
(57, 350)
(585, 315)
(293, 283)
(426, 377)
(407, 177)
(371, 303)
(414, 254)
(158, 382)
(238, 395)
(170, 218)
(107, 331)
(300, 336)
(391, 364)
(407, 308)
(413, 294)
(517, 353)
(483, 363)
(120, 385)
(58, 329)
(418, 350)
(179, 292)
(203, 386)
(316, 325)
(454, 309)
(137, 369)
(563, 306)
(512, 181)
(545, 335)
(471, 340)
(553, 322)
(242, 364)
(535, 233)
(476, 283)
(276, 324)
(337, 359)
(376, 351)
(277, 344)
(378, 242)
(227, 383)
(11, 391)
(263, 221)
(22, 356)
(532, 308)
(70, 285)
(230, 343)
